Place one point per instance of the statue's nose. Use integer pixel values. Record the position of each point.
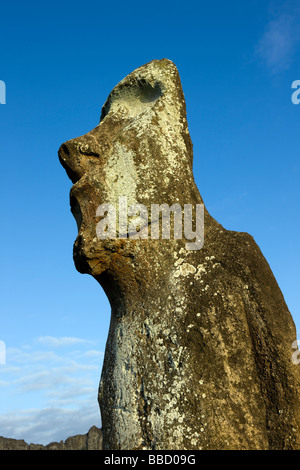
(73, 156)
(69, 157)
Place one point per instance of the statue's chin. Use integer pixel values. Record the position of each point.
(89, 259)
(81, 259)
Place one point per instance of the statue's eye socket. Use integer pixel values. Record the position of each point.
(85, 149)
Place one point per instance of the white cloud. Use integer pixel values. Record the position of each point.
(43, 380)
(93, 353)
(277, 46)
(53, 342)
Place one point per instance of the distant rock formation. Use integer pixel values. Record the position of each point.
(90, 441)
(199, 352)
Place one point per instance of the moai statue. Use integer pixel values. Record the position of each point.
(198, 354)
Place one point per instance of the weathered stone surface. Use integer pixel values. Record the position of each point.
(90, 441)
(199, 352)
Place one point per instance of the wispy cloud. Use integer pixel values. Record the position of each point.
(53, 342)
(277, 45)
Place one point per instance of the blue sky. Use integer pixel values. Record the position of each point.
(59, 61)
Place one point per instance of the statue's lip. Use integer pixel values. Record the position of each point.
(79, 188)
(78, 200)
(75, 208)
(73, 195)
(73, 198)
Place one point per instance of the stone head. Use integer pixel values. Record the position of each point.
(140, 153)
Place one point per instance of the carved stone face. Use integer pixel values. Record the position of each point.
(141, 150)
(199, 346)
